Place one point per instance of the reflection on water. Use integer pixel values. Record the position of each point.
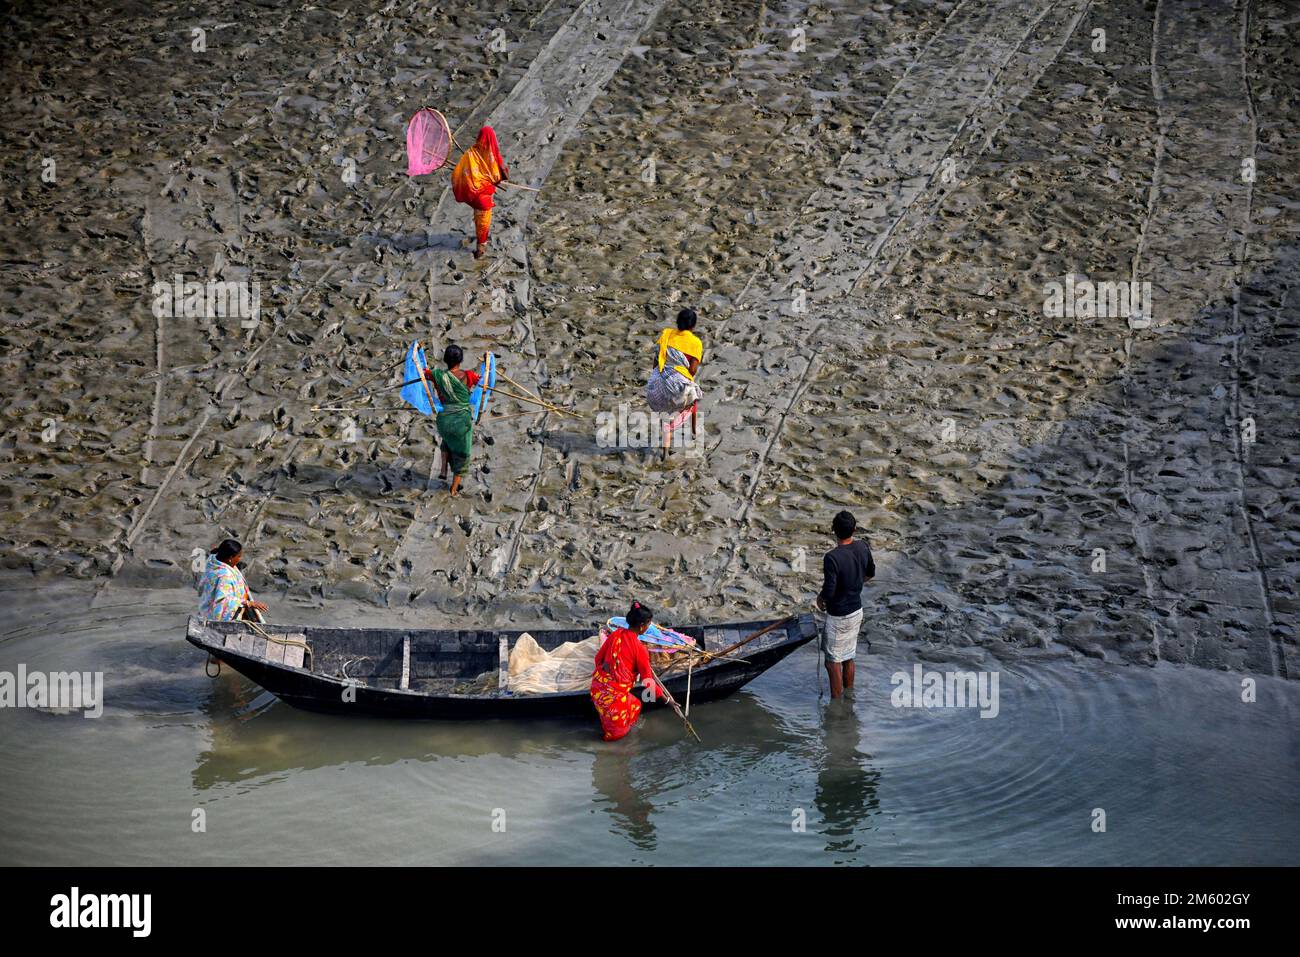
(629, 802)
(1185, 770)
(846, 781)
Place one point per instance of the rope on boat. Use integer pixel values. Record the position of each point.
(283, 641)
(343, 669)
(207, 666)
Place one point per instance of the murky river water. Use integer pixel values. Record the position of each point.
(1186, 772)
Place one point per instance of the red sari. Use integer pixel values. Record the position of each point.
(620, 661)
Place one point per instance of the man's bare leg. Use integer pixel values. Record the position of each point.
(442, 474)
(455, 485)
(837, 678)
(848, 674)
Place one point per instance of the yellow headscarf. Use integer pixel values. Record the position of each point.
(685, 342)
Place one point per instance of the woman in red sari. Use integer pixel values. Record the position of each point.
(475, 179)
(620, 661)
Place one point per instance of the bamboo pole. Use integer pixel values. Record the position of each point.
(524, 389)
(487, 389)
(726, 652)
(363, 398)
(364, 408)
(676, 707)
(545, 405)
(690, 667)
(758, 634)
(364, 382)
(511, 415)
(423, 378)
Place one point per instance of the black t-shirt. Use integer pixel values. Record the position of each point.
(847, 568)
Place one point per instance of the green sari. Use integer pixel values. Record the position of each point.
(455, 421)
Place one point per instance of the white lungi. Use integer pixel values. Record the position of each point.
(840, 636)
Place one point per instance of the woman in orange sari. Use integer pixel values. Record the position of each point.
(620, 661)
(475, 179)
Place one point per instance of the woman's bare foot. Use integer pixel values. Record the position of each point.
(479, 252)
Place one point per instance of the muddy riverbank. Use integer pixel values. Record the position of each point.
(865, 202)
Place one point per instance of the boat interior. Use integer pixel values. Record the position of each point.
(430, 662)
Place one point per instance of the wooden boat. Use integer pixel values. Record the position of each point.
(405, 673)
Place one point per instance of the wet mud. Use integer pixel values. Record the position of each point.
(865, 202)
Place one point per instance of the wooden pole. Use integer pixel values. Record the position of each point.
(423, 378)
(523, 389)
(676, 707)
(348, 396)
(487, 391)
(511, 415)
(364, 382)
(545, 405)
(690, 667)
(758, 634)
(689, 656)
(362, 408)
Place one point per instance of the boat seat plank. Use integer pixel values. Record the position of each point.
(406, 663)
(272, 651)
(294, 655)
(240, 641)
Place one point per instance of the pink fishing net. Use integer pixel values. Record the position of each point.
(428, 140)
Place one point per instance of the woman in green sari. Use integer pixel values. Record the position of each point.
(455, 421)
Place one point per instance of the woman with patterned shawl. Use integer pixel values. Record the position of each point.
(475, 179)
(456, 420)
(621, 660)
(223, 593)
(672, 387)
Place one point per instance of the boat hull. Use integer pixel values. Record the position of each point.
(302, 688)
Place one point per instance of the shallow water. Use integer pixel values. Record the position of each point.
(1186, 772)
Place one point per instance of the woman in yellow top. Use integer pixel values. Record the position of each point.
(672, 386)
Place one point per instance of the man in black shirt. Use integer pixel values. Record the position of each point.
(847, 567)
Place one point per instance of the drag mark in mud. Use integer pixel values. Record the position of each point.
(541, 113)
(774, 255)
(1239, 336)
(885, 150)
(1140, 535)
(140, 522)
(904, 233)
(1009, 102)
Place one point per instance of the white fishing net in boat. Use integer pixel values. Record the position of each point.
(534, 670)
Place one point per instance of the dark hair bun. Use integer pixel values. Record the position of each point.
(638, 615)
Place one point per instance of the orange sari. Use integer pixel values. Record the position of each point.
(475, 178)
